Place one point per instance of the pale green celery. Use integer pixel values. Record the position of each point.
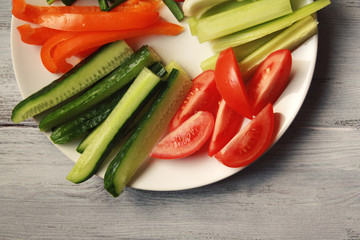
(240, 51)
(290, 38)
(195, 8)
(242, 17)
(264, 29)
(192, 21)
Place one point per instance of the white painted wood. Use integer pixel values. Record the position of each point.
(306, 187)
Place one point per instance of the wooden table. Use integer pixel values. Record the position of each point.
(306, 187)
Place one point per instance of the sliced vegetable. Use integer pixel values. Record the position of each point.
(290, 38)
(269, 80)
(195, 8)
(230, 83)
(187, 139)
(99, 149)
(136, 150)
(240, 51)
(75, 81)
(203, 96)
(86, 121)
(250, 142)
(86, 40)
(106, 5)
(175, 9)
(35, 36)
(99, 21)
(264, 29)
(242, 17)
(111, 83)
(227, 124)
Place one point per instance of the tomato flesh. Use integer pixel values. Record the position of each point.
(230, 83)
(188, 138)
(227, 124)
(203, 96)
(269, 80)
(250, 142)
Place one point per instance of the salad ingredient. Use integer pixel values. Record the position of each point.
(187, 139)
(264, 29)
(290, 38)
(137, 148)
(113, 126)
(86, 121)
(269, 80)
(250, 142)
(227, 124)
(35, 36)
(195, 8)
(203, 96)
(246, 15)
(240, 51)
(230, 83)
(87, 40)
(46, 52)
(111, 83)
(98, 21)
(175, 9)
(75, 81)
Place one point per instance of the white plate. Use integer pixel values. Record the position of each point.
(199, 169)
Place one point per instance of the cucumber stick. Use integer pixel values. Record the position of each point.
(247, 15)
(86, 121)
(290, 38)
(111, 83)
(137, 148)
(98, 150)
(83, 75)
(264, 29)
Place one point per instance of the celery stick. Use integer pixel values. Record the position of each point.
(291, 38)
(259, 31)
(195, 8)
(240, 51)
(242, 17)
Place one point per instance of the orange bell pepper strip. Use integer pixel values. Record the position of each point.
(86, 40)
(47, 49)
(35, 36)
(102, 21)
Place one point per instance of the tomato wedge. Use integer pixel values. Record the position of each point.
(230, 83)
(227, 124)
(203, 96)
(250, 142)
(269, 80)
(188, 138)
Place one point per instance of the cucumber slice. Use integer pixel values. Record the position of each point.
(111, 83)
(137, 148)
(73, 82)
(113, 127)
(86, 121)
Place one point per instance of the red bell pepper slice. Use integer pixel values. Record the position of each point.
(35, 36)
(85, 40)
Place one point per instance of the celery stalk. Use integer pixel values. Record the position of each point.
(240, 51)
(290, 38)
(242, 17)
(259, 31)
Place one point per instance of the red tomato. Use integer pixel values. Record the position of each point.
(188, 138)
(227, 124)
(203, 96)
(269, 80)
(230, 83)
(250, 142)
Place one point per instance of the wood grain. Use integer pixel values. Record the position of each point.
(305, 187)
